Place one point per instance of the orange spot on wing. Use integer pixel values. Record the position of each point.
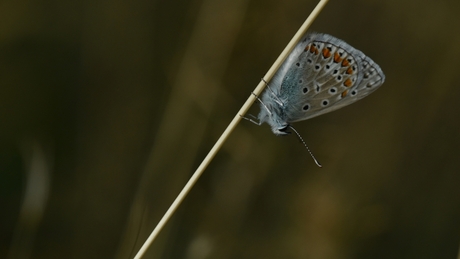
(348, 82)
(349, 71)
(345, 63)
(344, 93)
(314, 49)
(326, 53)
(337, 58)
(307, 47)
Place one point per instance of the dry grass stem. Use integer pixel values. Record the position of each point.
(258, 90)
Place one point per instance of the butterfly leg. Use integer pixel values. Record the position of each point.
(266, 108)
(251, 120)
(273, 93)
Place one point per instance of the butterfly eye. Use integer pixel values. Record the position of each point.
(283, 130)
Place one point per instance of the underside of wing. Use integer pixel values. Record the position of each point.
(327, 74)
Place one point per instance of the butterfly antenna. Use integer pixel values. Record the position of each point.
(305, 144)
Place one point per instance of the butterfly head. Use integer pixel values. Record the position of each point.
(273, 114)
(272, 111)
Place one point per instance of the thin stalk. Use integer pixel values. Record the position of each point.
(252, 97)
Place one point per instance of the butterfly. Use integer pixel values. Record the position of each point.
(320, 75)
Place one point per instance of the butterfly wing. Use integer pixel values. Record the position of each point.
(324, 74)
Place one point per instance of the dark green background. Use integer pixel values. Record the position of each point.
(107, 107)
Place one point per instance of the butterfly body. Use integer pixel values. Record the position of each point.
(320, 75)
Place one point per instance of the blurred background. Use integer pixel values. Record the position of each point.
(107, 108)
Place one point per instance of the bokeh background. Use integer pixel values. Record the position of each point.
(107, 108)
